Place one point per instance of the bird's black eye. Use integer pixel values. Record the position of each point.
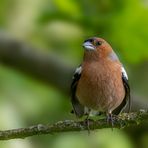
(98, 43)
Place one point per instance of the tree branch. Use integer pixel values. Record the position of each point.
(124, 120)
(53, 71)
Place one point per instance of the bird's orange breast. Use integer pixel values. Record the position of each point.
(100, 86)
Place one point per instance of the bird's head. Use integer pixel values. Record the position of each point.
(96, 48)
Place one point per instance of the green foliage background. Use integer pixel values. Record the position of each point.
(59, 27)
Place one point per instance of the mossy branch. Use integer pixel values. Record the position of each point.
(124, 120)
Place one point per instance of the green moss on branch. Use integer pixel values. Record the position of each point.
(124, 120)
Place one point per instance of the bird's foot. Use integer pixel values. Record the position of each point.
(87, 123)
(111, 119)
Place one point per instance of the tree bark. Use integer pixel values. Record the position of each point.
(123, 121)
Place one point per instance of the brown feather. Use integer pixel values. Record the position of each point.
(101, 87)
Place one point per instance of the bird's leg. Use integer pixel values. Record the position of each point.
(87, 121)
(110, 119)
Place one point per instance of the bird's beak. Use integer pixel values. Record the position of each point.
(88, 46)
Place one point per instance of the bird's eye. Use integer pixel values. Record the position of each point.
(98, 43)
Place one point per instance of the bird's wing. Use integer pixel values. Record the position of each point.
(77, 107)
(127, 98)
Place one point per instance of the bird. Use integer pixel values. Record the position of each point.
(100, 82)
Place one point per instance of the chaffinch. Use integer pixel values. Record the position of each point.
(100, 83)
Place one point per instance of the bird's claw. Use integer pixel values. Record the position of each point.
(87, 123)
(111, 119)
